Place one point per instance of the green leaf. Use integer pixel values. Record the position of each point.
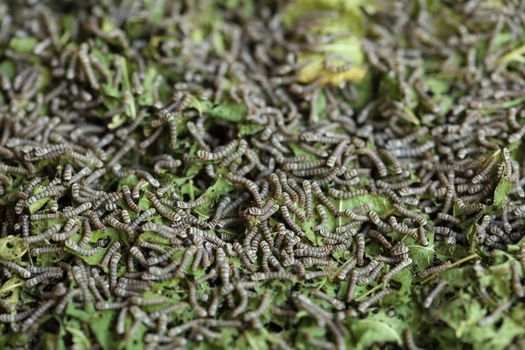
(368, 332)
(229, 111)
(23, 44)
(380, 204)
(12, 247)
(503, 188)
(100, 324)
(110, 233)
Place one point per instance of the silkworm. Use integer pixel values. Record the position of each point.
(129, 200)
(8, 318)
(494, 315)
(380, 238)
(392, 160)
(429, 299)
(336, 303)
(113, 267)
(380, 166)
(135, 193)
(394, 271)
(42, 278)
(325, 200)
(522, 257)
(24, 273)
(199, 310)
(380, 224)
(263, 305)
(280, 275)
(36, 314)
(434, 269)
(364, 305)
(409, 340)
(517, 286)
(186, 260)
(307, 304)
(121, 319)
(219, 153)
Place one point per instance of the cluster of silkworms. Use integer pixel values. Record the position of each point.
(126, 194)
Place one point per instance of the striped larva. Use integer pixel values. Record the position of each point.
(325, 200)
(494, 315)
(137, 254)
(191, 204)
(23, 272)
(47, 250)
(289, 220)
(121, 319)
(135, 193)
(279, 275)
(409, 340)
(429, 299)
(352, 283)
(312, 308)
(293, 207)
(400, 266)
(15, 170)
(214, 304)
(392, 160)
(249, 185)
(360, 243)
(380, 224)
(186, 260)
(345, 194)
(336, 154)
(157, 204)
(114, 222)
(7, 306)
(241, 150)
(304, 165)
(336, 303)
(275, 186)
(372, 276)
(51, 191)
(485, 170)
(199, 310)
(414, 151)
(94, 290)
(224, 271)
(313, 137)
(218, 153)
(36, 314)
(517, 286)
(243, 303)
(411, 214)
(113, 248)
(522, 256)
(346, 267)
(113, 268)
(380, 238)
(364, 305)
(263, 305)
(308, 198)
(129, 200)
(402, 228)
(434, 270)
(8, 318)
(315, 274)
(141, 316)
(380, 166)
(143, 216)
(321, 227)
(331, 66)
